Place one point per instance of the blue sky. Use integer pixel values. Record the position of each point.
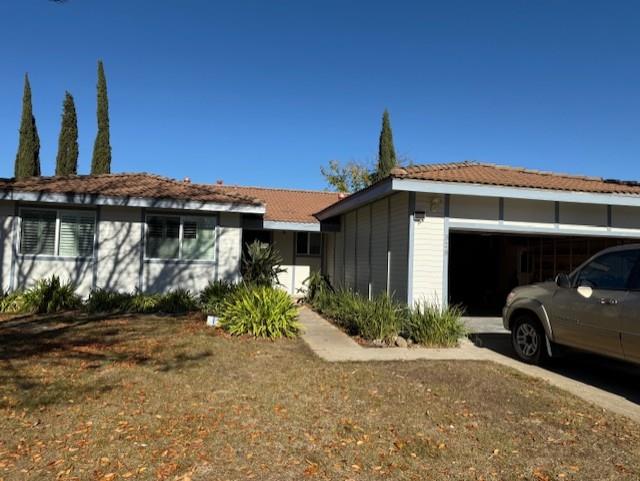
(263, 93)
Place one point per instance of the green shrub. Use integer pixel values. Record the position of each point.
(213, 296)
(177, 301)
(261, 264)
(379, 318)
(141, 303)
(315, 286)
(261, 311)
(50, 295)
(12, 302)
(104, 300)
(433, 325)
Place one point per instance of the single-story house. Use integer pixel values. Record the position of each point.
(468, 232)
(146, 232)
(463, 233)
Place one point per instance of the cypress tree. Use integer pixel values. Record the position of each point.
(67, 159)
(386, 152)
(101, 161)
(28, 156)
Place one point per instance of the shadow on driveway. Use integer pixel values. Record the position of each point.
(616, 377)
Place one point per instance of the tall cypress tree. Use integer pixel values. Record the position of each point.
(101, 161)
(67, 159)
(28, 156)
(386, 152)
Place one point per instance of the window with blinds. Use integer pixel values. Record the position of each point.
(73, 231)
(76, 234)
(38, 232)
(174, 237)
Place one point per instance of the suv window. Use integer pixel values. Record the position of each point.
(609, 271)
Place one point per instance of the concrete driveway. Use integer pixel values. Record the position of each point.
(616, 377)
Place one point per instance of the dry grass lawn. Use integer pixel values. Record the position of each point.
(162, 398)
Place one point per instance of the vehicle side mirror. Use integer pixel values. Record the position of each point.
(562, 280)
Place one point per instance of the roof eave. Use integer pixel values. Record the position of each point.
(96, 199)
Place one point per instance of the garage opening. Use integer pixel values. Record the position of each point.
(484, 267)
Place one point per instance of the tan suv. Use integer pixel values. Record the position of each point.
(596, 308)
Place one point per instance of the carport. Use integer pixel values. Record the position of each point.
(485, 266)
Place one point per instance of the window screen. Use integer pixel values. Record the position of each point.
(198, 238)
(163, 237)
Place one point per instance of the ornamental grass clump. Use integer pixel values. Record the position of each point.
(380, 318)
(50, 295)
(434, 325)
(260, 311)
(212, 297)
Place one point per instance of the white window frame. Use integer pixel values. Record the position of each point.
(182, 218)
(308, 253)
(56, 245)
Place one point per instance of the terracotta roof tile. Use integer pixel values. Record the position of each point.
(287, 205)
(490, 174)
(138, 185)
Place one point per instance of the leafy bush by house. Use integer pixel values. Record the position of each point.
(212, 297)
(105, 300)
(177, 301)
(261, 264)
(315, 286)
(379, 318)
(12, 302)
(50, 295)
(260, 311)
(433, 325)
(383, 318)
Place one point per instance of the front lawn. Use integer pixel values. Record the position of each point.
(151, 398)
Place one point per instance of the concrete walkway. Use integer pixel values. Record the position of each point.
(333, 345)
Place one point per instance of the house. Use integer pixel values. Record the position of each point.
(468, 232)
(141, 231)
(463, 233)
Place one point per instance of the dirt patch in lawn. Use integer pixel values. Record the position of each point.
(164, 398)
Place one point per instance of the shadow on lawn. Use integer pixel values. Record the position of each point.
(47, 359)
(612, 375)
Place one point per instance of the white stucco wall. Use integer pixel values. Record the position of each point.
(529, 211)
(473, 207)
(120, 231)
(583, 214)
(7, 210)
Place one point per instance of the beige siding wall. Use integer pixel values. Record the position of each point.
(399, 245)
(470, 207)
(529, 211)
(583, 214)
(338, 280)
(350, 228)
(625, 217)
(362, 249)
(379, 234)
(328, 246)
(120, 233)
(428, 250)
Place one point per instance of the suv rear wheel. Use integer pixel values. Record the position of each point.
(529, 340)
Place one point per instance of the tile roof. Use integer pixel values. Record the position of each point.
(137, 185)
(288, 205)
(491, 174)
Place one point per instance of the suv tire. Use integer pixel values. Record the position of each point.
(529, 339)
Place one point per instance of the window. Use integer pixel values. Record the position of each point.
(609, 271)
(308, 244)
(57, 232)
(176, 237)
